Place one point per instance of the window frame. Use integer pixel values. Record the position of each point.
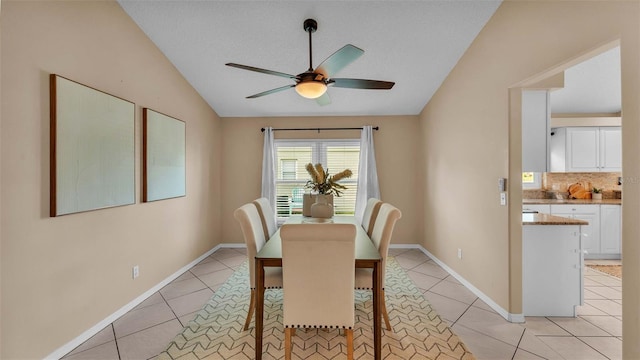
(318, 155)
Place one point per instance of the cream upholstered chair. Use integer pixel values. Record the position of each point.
(267, 216)
(249, 219)
(317, 264)
(370, 214)
(381, 237)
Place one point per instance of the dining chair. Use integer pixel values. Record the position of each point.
(249, 218)
(267, 217)
(317, 264)
(381, 237)
(370, 214)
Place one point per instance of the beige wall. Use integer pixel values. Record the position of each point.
(54, 269)
(396, 145)
(471, 137)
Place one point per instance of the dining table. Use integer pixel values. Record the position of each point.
(367, 256)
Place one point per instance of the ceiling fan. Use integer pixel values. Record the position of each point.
(313, 83)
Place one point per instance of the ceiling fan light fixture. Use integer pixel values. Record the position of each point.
(311, 89)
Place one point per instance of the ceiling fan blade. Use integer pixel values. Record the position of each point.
(361, 84)
(339, 60)
(324, 99)
(270, 91)
(264, 71)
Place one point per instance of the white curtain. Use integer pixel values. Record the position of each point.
(367, 172)
(269, 168)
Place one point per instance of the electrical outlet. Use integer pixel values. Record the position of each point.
(135, 271)
(503, 198)
(459, 253)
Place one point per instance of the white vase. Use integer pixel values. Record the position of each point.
(322, 208)
(596, 196)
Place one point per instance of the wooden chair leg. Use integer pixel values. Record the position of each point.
(349, 333)
(288, 332)
(252, 306)
(385, 315)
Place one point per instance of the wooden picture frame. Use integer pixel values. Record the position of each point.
(163, 156)
(92, 142)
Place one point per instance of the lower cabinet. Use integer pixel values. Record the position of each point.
(552, 265)
(602, 237)
(610, 230)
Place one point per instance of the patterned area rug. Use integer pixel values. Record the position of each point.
(615, 270)
(418, 332)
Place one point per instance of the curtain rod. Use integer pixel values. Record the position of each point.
(318, 129)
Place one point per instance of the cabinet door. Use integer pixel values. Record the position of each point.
(583, 149)
(610, 226)
(610, 149)
(535, 130)
(591, 232)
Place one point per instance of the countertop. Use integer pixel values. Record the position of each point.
(573, 201)
(546, 219)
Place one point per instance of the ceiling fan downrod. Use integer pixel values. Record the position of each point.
(310, 26)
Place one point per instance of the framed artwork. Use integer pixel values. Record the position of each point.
(92, 153)
(163, 156)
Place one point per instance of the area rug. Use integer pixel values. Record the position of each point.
(614, 270)
(217, 332)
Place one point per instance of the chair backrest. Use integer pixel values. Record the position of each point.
(318, 262)
(267, 216)
(370, 214)
(382, 230)
(251, 225)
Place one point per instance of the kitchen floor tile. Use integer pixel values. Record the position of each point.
(525, 355)
(605, 280)
(154, 299)
(102, 337)
(608, 306)
(532, 344)
(571, 348)
(432, 269)
(612, 293)
(578, 326)
(610, 324)
(610, 347)
(543, 326)
(408, 262)
(216, 278)
(208, 267)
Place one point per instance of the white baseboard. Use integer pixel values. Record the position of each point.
(514, 318)
(68, 347)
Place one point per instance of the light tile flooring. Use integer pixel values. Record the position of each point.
(596, 333)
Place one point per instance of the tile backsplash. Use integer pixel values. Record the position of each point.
(560, 182)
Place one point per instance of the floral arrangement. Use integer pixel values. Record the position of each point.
(322, 183)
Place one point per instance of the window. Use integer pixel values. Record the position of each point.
(288, 168)
(531, 180)
(335, 155)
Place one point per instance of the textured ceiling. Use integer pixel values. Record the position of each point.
(413, 43)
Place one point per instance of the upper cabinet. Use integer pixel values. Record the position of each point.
(586, 149)
(535, 130)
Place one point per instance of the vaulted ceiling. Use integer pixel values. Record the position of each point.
(412, 43)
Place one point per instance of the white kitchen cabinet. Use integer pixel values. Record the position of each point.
(552, 263)
(591, 232)
(593, 149)
(610, 230)
(610, 149)
(541, 208)
(535, 130)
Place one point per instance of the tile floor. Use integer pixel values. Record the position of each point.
(596, 333)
